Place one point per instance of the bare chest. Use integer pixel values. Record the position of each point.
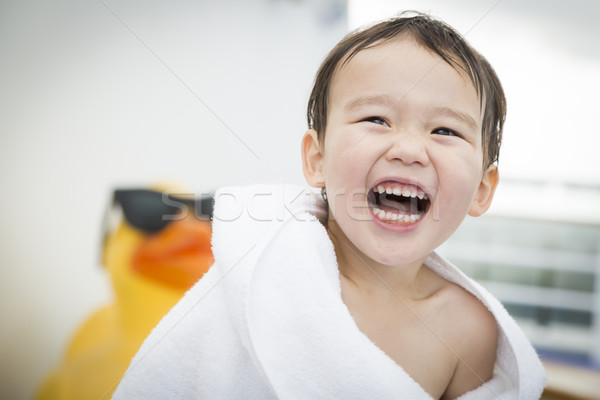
(409, 335)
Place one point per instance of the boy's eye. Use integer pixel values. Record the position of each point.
(377, 120)
(445, 132)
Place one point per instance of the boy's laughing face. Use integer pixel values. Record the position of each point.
(402, 157)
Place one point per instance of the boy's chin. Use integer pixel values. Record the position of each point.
(396, 260)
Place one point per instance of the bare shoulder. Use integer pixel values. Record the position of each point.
(472, 332)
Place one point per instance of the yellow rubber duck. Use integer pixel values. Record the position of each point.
(152, 261)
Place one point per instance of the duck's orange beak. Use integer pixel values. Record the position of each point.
(178, 255)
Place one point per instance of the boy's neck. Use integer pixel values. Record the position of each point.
(409, 281)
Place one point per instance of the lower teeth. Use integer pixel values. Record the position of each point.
(389, 216)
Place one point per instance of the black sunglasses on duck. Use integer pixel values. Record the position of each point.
(151, 211)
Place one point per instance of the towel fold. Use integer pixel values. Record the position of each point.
(268, 322)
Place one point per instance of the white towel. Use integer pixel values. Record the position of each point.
(267, 321)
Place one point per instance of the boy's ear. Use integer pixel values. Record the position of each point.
(312, 159)
(485, 192)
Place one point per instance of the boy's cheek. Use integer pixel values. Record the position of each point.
(349, 205)
(452, 204)
(357, 206)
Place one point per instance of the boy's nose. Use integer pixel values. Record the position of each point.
(409, 148)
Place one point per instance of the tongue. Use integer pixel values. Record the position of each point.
(386, 204)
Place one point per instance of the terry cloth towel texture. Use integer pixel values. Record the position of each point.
(267, 321)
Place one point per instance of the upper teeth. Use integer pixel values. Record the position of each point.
(406, 192)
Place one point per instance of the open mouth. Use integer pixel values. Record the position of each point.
(398, 203)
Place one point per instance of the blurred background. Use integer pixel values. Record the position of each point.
(98, 94)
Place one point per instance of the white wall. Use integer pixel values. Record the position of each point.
(100, 94)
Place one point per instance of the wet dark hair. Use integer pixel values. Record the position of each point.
(435, 36)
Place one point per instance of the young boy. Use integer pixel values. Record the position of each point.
(347, 299)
